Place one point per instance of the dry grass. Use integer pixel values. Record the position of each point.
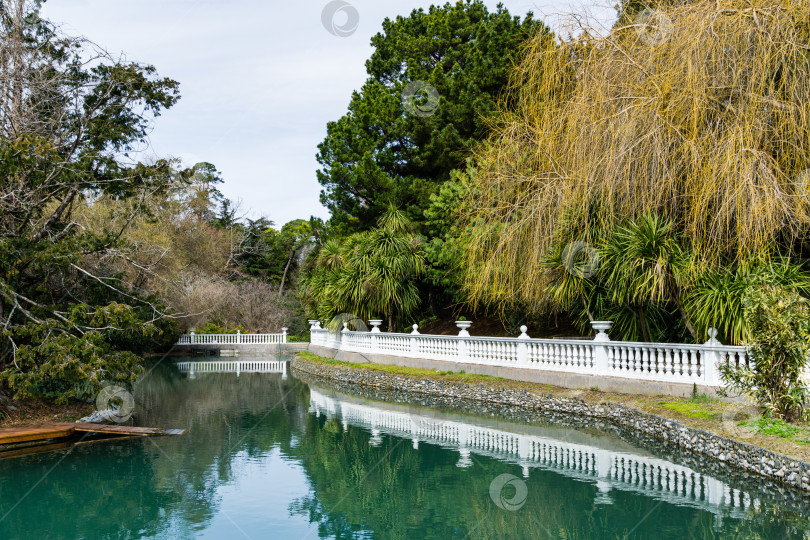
(708, 126)
(253, 305)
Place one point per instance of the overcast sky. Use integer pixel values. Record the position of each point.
(259, 80)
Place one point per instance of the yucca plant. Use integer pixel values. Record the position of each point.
(715, 298)
(369, 273)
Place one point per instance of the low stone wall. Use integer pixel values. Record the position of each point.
(746, 457)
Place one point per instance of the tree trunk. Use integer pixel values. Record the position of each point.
(286, 268)
(645, 333)
(682, 312)
(585, 305)
(391, 326)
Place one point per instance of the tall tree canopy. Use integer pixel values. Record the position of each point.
(703, 122)
(393, 150)
(71, 119)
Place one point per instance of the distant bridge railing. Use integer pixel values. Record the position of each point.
(660, 362)
(233, 339)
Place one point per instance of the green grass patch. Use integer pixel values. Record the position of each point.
(690, 408)
(401, 370)
(703, 398)
(772, 426)
(799, 434)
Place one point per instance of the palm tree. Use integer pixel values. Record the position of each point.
(370, 272)
(645, 263)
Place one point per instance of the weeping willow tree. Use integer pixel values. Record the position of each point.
(697, 114)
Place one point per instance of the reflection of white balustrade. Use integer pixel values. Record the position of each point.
(606, 468)
(233, 339)
(660, 362)
(233, 366)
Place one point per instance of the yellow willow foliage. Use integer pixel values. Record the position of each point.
(702, 119)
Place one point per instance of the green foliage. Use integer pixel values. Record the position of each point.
(779, 322)
(368, 273)
(379, 154)
(212, 328)
(445, 241)
(53, 362)
(715, 298)
(273, 254)
(70, 319)
(772, 426)
(690, 409)
(644, 277)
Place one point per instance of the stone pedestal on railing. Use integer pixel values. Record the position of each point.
(600, 353)
(463, 353)
(375, 329)
(522, 348)
(710, 359)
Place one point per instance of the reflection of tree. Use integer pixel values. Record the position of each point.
(168, 486)
(225, 415)
(109, 490)
(75, 497)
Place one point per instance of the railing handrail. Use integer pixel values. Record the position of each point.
(649, 344)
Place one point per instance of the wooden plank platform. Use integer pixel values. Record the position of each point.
(127, 430)
(38, 433)
(61, 430)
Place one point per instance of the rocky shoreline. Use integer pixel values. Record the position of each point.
(746, 457)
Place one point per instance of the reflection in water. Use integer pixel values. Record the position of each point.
(269, 457)
(595, 460)
(251, 365)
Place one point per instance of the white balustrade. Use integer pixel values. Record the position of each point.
(608, 468)
(659, 362)
(233, 339)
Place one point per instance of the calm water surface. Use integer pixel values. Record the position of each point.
(271, 456)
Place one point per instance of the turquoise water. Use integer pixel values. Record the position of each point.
(271, 456)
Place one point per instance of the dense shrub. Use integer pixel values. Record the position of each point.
(779, 320)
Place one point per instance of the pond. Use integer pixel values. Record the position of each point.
(278, 456)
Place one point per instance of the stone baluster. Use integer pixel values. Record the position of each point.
(600, 352)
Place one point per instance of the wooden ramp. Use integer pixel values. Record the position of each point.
(38, 433)
(19, 441)
(126, 430)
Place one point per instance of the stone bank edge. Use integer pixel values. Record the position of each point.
(747, 457)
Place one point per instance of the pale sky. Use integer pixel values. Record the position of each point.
(259, 80)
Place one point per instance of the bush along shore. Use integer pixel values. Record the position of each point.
(793, 470)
